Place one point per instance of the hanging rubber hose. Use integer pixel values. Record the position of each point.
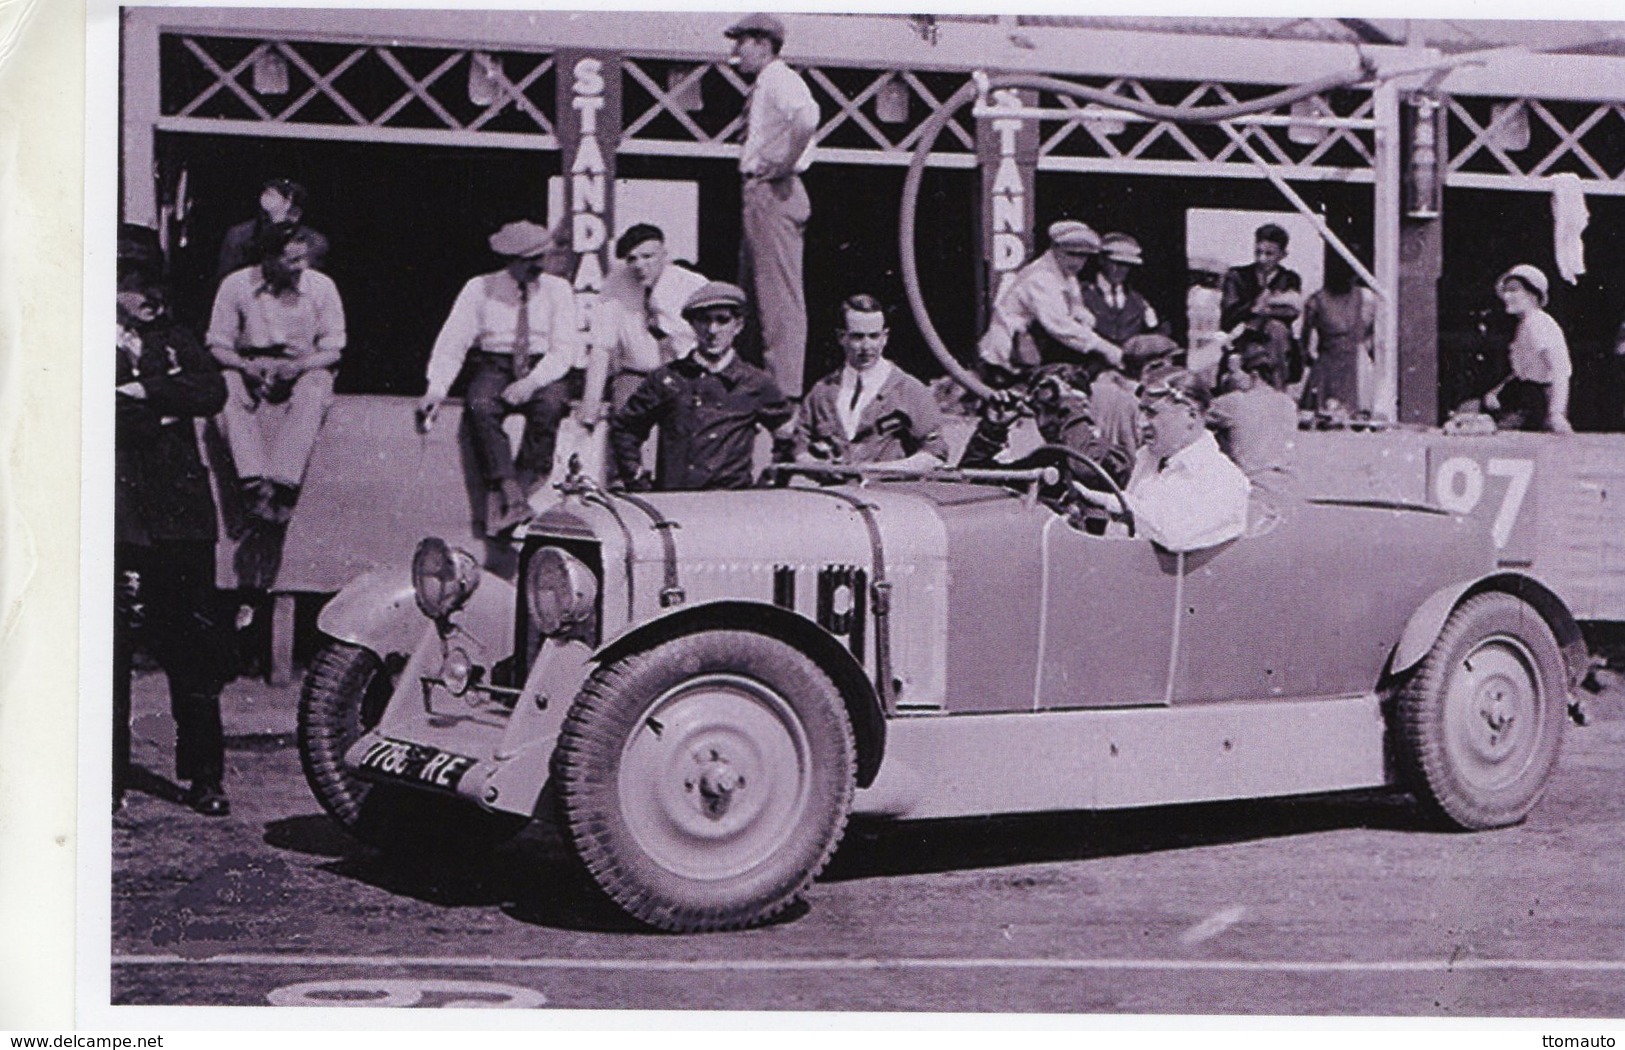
(959, 99)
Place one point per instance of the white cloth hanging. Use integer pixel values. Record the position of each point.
(1570, 217)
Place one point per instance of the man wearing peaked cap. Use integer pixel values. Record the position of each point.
(516, 330)
(714, 293)
(1121, 312)
(760, 24)
(707, 405)
(1039, 317)
(781, 117)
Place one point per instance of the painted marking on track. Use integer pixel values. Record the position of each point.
(1213, 925)
(1445, 965)
(395, 991)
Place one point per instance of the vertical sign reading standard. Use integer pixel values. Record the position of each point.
(589, 129)
(1007, 150)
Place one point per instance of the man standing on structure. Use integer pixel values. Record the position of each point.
(1040, 318)
(780, 119)
(516, 328)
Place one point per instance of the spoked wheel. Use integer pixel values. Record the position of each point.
(705, 782)
(1482, 718)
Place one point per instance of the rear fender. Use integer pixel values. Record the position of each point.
(857, 691)
(1429, 619)
(378, 611)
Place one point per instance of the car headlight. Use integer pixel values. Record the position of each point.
(443, 578)
(561, 591)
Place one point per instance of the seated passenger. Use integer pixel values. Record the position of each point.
(1184, 493)
(1114, 399)
(1256, 424)
(869, 410)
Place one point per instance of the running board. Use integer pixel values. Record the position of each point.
(966, 765)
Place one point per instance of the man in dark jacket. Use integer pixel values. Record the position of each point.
(1265, 298)
(164, 533)
(707, 405)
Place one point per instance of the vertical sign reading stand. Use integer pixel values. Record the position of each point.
(588, 125)
(1007, 153)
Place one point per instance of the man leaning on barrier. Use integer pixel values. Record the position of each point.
(515, 328)
(277, 330)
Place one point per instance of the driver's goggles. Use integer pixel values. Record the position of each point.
(1162, 391)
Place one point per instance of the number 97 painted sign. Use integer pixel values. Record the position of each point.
(1469, 485)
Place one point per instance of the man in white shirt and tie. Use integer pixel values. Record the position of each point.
(869, 410)
(637, 323)
(780, 119)
(516, 329)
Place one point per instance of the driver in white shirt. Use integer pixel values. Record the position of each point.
(1184, 493)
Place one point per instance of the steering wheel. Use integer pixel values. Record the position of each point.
(1074, 456)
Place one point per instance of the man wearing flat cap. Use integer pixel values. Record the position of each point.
(780, 119)
(1120, 311)
(516, 330)
(708, 405)
(638, 321)
(1040, 317)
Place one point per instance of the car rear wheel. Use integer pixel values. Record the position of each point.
(345, 693)
(1481, 719)
(705, 782)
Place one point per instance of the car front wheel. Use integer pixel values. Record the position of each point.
(1481, 719)
(345, 693)
(705, 782)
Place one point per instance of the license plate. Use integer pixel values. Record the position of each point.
(416, 763)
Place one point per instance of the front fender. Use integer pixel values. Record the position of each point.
(1429, 619)
(858, 693)
(377, 611)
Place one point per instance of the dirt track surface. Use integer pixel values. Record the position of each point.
(1333, 905)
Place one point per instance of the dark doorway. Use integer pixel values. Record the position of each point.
(407, 226)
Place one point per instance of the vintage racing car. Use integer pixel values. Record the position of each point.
(699, 688)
